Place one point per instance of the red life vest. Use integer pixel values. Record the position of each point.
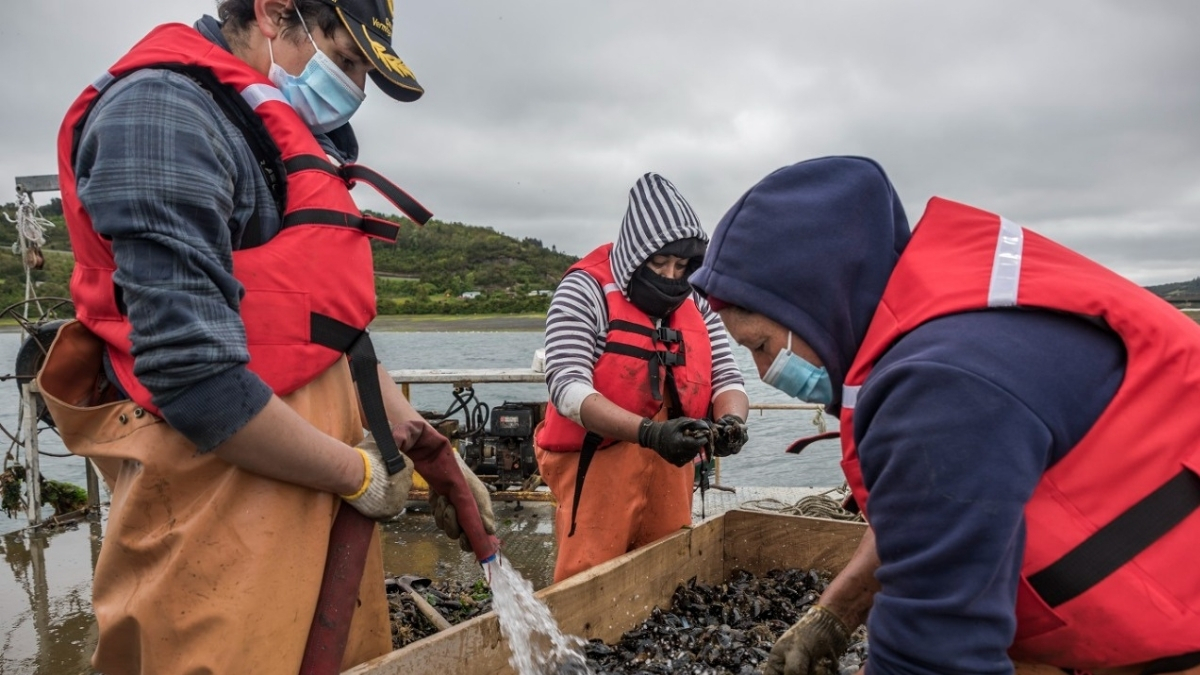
(1111, 530)
(634, 366)
(309, 291)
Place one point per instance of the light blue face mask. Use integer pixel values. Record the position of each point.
(323, 95)
(798, 378)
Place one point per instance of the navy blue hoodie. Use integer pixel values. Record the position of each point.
(954, 426)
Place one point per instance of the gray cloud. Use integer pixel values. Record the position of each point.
(1074, 118)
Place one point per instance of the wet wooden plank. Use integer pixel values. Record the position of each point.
(759, 542)
(45, 183)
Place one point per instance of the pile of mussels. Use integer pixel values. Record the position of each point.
(455, 601)
(716, 630)
(727, 629)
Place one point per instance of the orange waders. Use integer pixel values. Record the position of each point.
(631, 497)
(205, 568)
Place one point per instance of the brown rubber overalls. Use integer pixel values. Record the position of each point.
(631, 497)
(204, 567)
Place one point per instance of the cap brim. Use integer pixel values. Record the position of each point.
(390, 73)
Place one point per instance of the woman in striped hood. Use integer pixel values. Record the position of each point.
(637, 365)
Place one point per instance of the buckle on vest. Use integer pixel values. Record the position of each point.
(671, 358)
(667, 335)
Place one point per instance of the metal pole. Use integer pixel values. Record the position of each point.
(33, 474)
(93, 484)
(28, 274)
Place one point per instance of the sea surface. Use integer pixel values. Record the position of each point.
(761, 463)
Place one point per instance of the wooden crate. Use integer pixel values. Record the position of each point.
(612, 598)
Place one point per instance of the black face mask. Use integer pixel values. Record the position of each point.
(655, 294)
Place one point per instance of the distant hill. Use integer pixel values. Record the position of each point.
(438, 263)
(426, 271)
(1182, 293)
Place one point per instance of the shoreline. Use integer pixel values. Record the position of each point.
(458, 323)
(428, 323)
(470, 323)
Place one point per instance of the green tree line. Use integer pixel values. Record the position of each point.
(427, 271)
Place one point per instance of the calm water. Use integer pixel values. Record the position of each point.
(761, 463)
(46, 626)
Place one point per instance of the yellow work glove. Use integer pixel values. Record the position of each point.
(445, 517)
(810, 647)
(381, 496)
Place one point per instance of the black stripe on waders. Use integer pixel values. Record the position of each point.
(1118, 542)
(591, 443)
(356, 344)
(353, 173)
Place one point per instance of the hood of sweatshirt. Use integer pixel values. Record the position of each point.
(657, 215)
(811, 247)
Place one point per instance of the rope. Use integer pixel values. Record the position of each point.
(31, 235)
(814, 506)
(31, 225)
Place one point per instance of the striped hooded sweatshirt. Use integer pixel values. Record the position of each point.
(577, 321)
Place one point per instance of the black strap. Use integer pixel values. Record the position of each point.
(1172, 664)
(674, 405)
(258, 139)
(1118, 542)
(654, 359)
(375, 227)
(591, 443)
(357, 173)
(630, 327)
(380, 228)
(237, 110)
(311, 163)
(356, 344)
(662, 334)
(630, 350)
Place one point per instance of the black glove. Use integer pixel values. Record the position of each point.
(678, 440)
(729, 435)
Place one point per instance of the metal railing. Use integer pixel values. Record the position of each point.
(463, 378)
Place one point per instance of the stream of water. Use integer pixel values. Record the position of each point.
(535, 642)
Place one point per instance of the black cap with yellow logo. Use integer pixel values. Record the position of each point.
(370, 23)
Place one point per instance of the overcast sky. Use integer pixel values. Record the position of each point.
(1078, 119)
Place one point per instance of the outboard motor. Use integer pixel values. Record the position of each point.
(503, 450)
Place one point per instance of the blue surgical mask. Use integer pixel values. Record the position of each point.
(798, 378)
(323, 95)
